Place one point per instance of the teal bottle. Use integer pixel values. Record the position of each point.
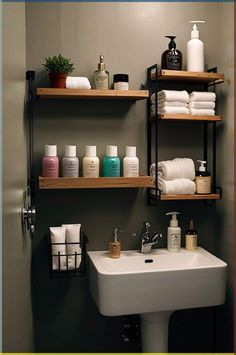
(111, 162)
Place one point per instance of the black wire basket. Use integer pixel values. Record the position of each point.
(72, 262)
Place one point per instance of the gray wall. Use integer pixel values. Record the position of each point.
(131, 37)
(17, 311)
(225, 207)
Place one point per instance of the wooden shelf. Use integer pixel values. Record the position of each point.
(96, 183)
(51, 93)
(189, 197)
(187, 117)
(188, 76)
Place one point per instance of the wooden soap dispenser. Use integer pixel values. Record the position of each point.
(114, 246)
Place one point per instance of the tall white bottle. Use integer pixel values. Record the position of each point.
(173, 234)
(130, 163)
(91, 162)
(195, 50)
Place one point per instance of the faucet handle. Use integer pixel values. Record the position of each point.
(156, 236)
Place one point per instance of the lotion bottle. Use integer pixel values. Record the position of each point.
(50, 162)
(114, 246)
(101, 76)
(172, 58)
(90, 162)
(203, 179)
(173, 234)
(191, 238)
(195, 50)
(130, 163)
(111, 162)
(70, 162)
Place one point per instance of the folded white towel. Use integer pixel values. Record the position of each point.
(77, 82)
(177, 186)
(58, 235)
(202, 96)
(162, 103)
(173, 95)
(202, 111)
(73, 251)
(173, 110)
(202, 104)
(175, 169)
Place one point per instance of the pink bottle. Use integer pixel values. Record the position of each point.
(50, 162)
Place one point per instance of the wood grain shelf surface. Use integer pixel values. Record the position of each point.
(190, 197)
(96, 183)
(194, 77)
(51, 93)
(177, 117)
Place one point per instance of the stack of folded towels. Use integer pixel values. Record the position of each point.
(175, 177)
(170, 101)
(202, 103)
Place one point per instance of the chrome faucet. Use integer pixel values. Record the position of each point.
(147, 240)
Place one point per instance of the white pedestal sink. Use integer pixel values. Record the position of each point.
(155, 285)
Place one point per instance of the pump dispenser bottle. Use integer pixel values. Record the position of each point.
(114, 246)
(172, 57)
(101, 76)
(173, 234)
(203, 179)
(195, 50)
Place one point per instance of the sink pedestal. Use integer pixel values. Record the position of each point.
(154, 331)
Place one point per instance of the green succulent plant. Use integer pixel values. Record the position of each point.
(58, 64)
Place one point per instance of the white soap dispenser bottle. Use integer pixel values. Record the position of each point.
(173, 234)
(195, 50)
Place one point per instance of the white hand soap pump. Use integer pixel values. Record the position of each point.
(195, 50)
(173, 234)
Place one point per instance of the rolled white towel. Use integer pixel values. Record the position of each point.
(173, 95)
(202, 104)
(202, 96)
(175, 169)
(58, 237)
(73, 251)
(177, 186)
(77, 82)
(173, 110)
(202, 111)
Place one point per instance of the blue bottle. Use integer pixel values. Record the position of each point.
(111, 162)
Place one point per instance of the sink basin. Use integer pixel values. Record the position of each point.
(161, 281)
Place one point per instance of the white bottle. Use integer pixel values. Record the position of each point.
(195, 50)
(70, 162)
(90, 162)
(130, 163)
(173, 234)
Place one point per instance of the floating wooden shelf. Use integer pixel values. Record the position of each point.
(184, 76)
(96, 183)
(189, 197)
(187, 117)
(51, 93)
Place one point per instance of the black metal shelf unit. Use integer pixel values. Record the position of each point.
(153, 121)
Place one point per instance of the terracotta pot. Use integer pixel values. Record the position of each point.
(57, 80)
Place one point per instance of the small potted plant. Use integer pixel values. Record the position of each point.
(58, 69)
